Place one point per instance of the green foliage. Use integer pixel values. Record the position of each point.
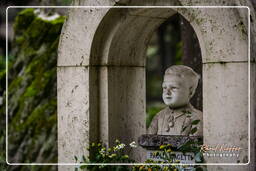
(2, 63)
(154, 85)
(152, 51)
(195, 122)
(66, 2)
(23, 20)
(2, 74)
(101, 154)
(179, 53)
(3, 166)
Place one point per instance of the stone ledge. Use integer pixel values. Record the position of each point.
(150, 141)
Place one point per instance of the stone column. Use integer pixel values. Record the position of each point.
(78, 121)
(223, 38)
(225, 78)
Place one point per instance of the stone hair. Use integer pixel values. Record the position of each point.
(184, 72)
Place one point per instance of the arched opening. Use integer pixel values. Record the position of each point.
(118, 56)
(174, 42)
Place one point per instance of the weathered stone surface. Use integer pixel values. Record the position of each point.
(79, 29)
(222, 23)
(226, 104)
(97, 3)
(252, 113)
(130, 47)
(163, 13)
(155, 141)
(73, 113)
(126, 106)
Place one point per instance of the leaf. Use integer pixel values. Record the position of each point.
(183, 129)
(75, 158)
(193, 130)
(198, 157)
(83, 157)
(195, 122)
(162, 147)
(83, 167)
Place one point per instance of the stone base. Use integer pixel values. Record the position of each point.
(153, 142)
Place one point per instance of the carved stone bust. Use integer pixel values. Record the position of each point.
(179, 117)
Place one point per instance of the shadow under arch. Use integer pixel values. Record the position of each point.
(118, 60)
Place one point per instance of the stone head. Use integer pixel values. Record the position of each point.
(179, 85)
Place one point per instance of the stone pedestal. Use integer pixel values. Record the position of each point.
(183, 147)
(153, 142)
(179, 145)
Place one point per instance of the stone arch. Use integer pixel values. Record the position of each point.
(137, 24)
(223, 39)
(119, 52)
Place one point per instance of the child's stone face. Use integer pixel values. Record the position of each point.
(176, 92)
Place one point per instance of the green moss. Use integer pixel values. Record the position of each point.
(31, 91)
(32, 88)
(2, 63)
(36, 29)
(15, 83)
(59, 20)
(39, 83)
(2, 74)
(39, 114)
(26, 12)
(23, 20)
(29, 51)
(19, 39)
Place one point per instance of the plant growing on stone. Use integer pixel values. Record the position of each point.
(193, 125)
(165, 157)
(99, 153)
(168, 157)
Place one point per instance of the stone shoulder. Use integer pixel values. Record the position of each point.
(161, 113)
(197, 114)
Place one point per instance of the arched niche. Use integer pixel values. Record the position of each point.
(118, 56)
(101, 71)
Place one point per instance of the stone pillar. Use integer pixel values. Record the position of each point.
(77, 114)
(127, 106)
(77, 87)
(226, 108)
(225, 78)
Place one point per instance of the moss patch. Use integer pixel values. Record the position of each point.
(32, 103)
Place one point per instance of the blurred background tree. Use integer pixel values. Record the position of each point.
(33, 37)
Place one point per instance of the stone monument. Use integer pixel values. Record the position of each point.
(179, 117)
(179, 124)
